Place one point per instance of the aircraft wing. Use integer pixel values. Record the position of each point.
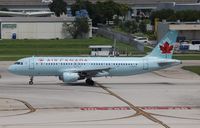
(91, 72)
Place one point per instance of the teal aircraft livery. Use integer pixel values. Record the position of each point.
(72, 69)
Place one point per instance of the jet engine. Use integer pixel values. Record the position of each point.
(69, 77)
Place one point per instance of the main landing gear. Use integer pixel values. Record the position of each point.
(89, 81)
(31, 80)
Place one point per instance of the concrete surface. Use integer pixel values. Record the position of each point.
(165, 98)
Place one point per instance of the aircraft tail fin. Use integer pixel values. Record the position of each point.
(165, 47)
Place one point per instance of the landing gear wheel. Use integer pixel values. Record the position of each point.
(31, 80)
(89, 82)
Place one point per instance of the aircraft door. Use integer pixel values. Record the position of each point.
(31, 63)
(145, 64)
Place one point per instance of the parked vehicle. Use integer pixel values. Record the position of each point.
(141, 39)
(195, 42)
(194, 47)
(184, 47)
(184, 42)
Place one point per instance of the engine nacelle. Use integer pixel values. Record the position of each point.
(69, 77)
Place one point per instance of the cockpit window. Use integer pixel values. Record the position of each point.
(19, 63)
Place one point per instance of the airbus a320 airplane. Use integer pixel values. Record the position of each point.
(72, 69)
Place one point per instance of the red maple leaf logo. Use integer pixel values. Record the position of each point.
(166, 48)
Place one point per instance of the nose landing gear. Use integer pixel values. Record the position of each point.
(31, 80)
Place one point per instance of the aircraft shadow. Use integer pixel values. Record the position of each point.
(77, 84)
(158, 83)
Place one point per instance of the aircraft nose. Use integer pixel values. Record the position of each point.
(11, 69)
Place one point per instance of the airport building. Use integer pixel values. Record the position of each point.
(54, 25)
(36, 27)
(187, 30)
(24, 5)
(137, 6)
(179, 7)
(188, 37)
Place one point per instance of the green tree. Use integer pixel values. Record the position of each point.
(79, 28)
(171, 15)
(117, 21)
(142, 27)
(101, 11)
(122, 9)
(98, 15)
(4, 9)
(58, 7)
(188, 15)
(134, 27)
(161, 14)
(79, 4)
(110, 9)
(130, 26)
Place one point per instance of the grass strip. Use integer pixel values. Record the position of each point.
(195, 69)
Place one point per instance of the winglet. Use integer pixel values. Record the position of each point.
(165, 47)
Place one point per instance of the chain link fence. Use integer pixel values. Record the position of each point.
(121, 37)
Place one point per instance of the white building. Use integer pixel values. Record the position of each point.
(35, 27)
(101, 50)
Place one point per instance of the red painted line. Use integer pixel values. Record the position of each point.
(104, 108)
(144, 108)
(166, 108)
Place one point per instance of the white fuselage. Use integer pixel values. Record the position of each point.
(118, 66)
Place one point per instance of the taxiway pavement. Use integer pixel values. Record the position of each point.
(165, 98)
